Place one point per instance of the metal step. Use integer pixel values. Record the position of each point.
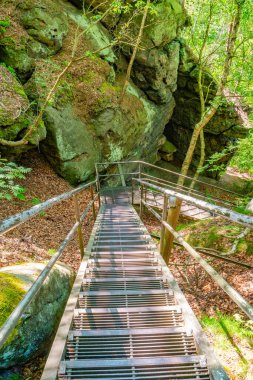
(129, 343)
(125, 300)
(103, 263)
(125, 284)
(123, 318)
(175, 367)
(127, 322)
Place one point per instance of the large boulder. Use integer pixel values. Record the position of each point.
(15, 112)
(37, 326)
(87, 121)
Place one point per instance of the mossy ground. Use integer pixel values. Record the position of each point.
(231, 334)
(218, 234)
(11, 294)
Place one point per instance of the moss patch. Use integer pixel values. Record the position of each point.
(217, 234)
(12, 292)
(232, 337)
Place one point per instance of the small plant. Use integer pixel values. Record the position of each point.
(52, 251)
(36, 201)
(4, 24)
(10, 172)
(217, 163)
(241, 205)
(9, 68)
(243, 158)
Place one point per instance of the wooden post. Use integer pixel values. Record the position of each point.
(172, 220)
(93, 204)
(99, 200)
(140, 166)
(122, 177)
(164, 218)
(141, 204)
(79, 229)
(132, 192)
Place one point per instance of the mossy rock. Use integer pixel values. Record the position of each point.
(14, 101)
(45, 22)
(168, 147)
(16, 114)
(37, 326)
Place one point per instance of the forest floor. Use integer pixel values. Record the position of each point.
(229, 332)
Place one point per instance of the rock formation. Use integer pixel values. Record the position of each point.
(37, 326)
(85, 120)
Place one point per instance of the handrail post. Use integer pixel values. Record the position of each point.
(98, 180)
(164, 218)
(93, 204)
(140, 166)
(79, 229)
(141, 204)
(122, 177)
(98, 192)
(132, 191)
(172, 220)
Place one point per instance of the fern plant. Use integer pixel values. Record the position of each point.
(10, 173)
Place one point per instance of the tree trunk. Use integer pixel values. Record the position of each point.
(136, 46)
(212, 109)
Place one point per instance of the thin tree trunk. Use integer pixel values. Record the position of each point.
(212, 109)
(130, 65)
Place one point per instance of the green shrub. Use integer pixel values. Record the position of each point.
(9, 174)
(4, 24)
(243, 158)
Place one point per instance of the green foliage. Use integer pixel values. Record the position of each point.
(229, 334)
(36, 201)
(14, 376)
(236, 327)
(5, 23)
(10, 69)
(240, 80)
(243, 159)
(121, 7)
(10, 172)
(241, 204)
(217, 163)
(52, 251)
(218, 15)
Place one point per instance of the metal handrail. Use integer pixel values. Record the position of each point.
(185, 189)
(234, 216)
(22, 217)
(144, 163)
(232, 293)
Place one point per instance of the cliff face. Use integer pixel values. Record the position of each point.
(85, 121)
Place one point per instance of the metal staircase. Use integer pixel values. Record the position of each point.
(130, 321)
(126, 318)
